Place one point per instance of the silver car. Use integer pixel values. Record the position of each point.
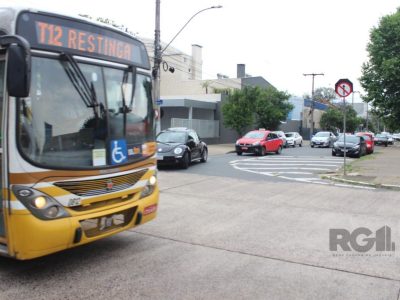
(323, 139)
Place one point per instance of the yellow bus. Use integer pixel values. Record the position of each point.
(77, 132)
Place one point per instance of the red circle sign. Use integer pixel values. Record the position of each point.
(344, 87)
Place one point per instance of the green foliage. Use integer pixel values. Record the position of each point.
(252, 105)
(271, 108)
(381, 74)
(332, 119)
(238, 111)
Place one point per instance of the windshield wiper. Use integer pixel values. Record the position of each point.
(86, 91)
(125, 108)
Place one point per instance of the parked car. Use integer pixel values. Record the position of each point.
(323, 139)
(396, 136)
(381, 139)
(294, 139)
(259, 142)
(180, 146)
(355, 146)
(369, 140)
(282, 136)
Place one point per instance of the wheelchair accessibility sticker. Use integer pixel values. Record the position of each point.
(119, 153)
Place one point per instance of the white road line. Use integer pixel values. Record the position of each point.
(263, 164)
(295, 173)
(302, 161)
(264, 168)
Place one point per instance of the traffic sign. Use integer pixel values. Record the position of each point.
(344, 87)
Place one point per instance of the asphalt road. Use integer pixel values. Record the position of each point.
(301, 164)
(227, 237)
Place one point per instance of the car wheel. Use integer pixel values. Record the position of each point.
(312, 146)
(279, 151)
(333, 153)
(301, 144)
(185, 161)
(238, 153)
(294, 144)
(386, 144)
(262, 152)
(204, 155)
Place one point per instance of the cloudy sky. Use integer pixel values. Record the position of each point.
(279, 40)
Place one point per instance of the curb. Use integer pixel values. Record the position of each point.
(361, 183)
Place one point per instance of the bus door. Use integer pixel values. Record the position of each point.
(2, 209)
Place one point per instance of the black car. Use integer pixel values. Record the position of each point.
(355, 146)
(180, 146)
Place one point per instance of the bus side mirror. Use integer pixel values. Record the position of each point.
(18, 72)
(18, 65)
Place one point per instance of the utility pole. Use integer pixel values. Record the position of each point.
(312, 101)
(158, 52)
(156, 66)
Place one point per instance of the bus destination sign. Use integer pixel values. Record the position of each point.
(77, 37)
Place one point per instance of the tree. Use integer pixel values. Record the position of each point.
(250, 106)
(271, 107)
(332, 119)
(238, 111)
(381, 74)
(324, 93)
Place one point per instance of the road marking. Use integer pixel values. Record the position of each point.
(292, 168)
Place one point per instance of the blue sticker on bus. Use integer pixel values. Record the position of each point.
(119, 152)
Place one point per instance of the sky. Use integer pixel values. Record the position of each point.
(278, 40)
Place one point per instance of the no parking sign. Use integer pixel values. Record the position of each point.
(344, 87)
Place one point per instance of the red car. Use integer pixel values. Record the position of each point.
(259, 142)
(369, 140)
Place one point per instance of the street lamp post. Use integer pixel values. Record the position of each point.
(312, 101)
(158, 52)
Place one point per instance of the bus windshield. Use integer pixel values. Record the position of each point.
(58, 127)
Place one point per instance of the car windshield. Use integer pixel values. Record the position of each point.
(322, 134)
(350, 139)
(171, 137)
(67, 124)
(254, 135)
(366, 137)
(289, 134)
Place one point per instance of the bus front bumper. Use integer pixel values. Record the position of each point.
(33, 237)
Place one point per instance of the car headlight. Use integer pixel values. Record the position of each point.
(149, 187)
(356, 147)
(256, 143)
(39, 204)
(335, 145)
(178, 150)
(237, 143)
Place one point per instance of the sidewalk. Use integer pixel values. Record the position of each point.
(380, 169)
(219, 149)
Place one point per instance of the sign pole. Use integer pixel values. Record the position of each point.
(344, 136)
(344, 88)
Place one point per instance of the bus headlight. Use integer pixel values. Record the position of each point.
(149, 187)
(39, 204)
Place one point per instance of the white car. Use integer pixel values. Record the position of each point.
(293, 139)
